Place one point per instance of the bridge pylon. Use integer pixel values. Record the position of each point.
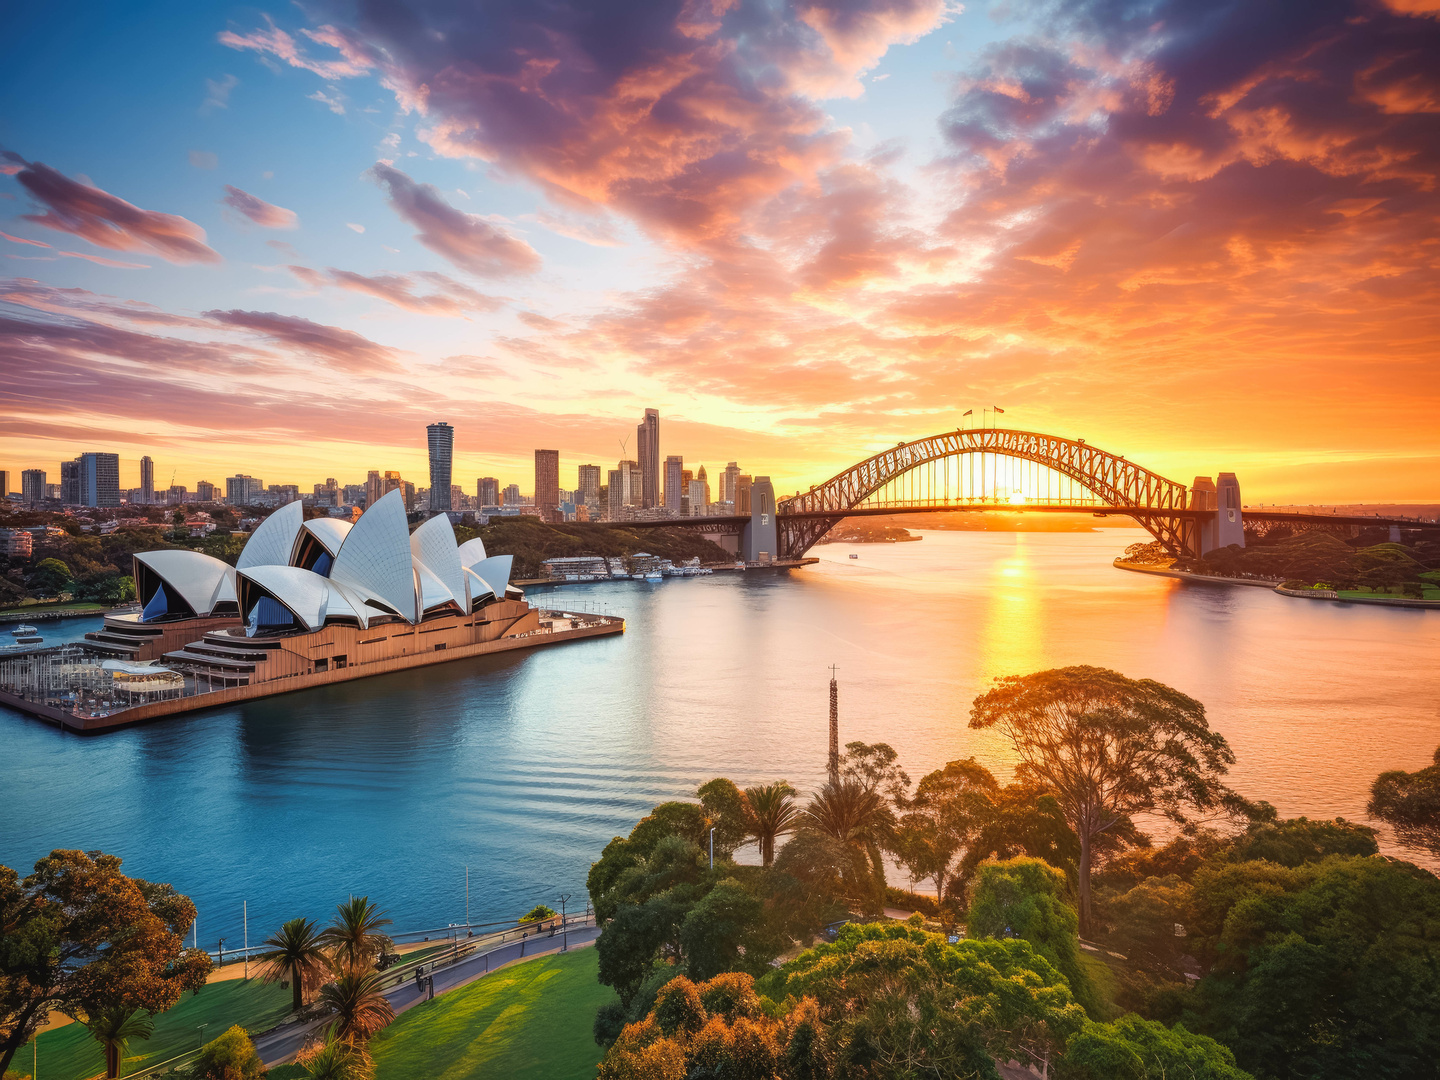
(1224, 523)
(759, 538)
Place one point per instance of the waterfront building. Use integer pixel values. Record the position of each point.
(204, 491)
(742, 493)
(729, 481)
(242, 490)
(647, 449)
(442, 452)
(32, 485)
(674, 482)
(98, 479)
(487, 491)
(147, 480)
(547, 483)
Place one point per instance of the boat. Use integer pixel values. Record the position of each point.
(24, 630)
(853, 555)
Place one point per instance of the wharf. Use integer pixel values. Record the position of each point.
(718, 568)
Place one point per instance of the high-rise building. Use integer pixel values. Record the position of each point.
(728, 482)
(147, 480)
(674, 482)
(742, 493)
(698, 499)
(373, 490)
(99, 478)
(487, 491)
(242, 490)
(442, 452)
(647, 449)
(407, 495)
(588, 490)
(615, 494)
(32, 485)
(70, 482)
(204, 491)
(512, 494)
(4, 483)
(280, 493)
(547, 482)
(705, 483)
(179, 495)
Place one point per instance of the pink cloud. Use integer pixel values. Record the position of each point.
(108, 221)
(260, 211)
(467, 240)
(450, 297)
(341, 349)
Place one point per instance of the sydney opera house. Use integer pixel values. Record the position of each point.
(312, 602)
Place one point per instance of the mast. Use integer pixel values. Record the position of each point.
(834, 764)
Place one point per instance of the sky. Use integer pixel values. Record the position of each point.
(281, 239)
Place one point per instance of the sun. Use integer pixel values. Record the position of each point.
(1017, 499)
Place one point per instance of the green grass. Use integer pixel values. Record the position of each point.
(1427, 590)
(1104, 981)
(69, 1053)
(531, 1021)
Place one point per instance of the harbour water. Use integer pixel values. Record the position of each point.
(521, 766)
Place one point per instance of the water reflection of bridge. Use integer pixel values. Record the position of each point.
(990, 469)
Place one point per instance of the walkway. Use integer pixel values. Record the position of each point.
(281, 1045)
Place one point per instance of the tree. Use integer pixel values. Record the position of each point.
(230, 1056)
(1325, 971)
(360, 1008)
(82, 937)
(51, 576)
(1408, 799)
(723, 932)
(113, 1028)
(353, 936)
(727, 812)
(1134, 1049)
(1025, 898)
(335, 1059)
(858, 817)
(772, 814)
(946, 815)
(875, 767)
(1108, 748)
(296, 954)
(1022, 819)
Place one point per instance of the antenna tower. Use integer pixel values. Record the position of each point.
(834, 764)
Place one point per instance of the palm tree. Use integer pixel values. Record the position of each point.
(336, 1059)
(360, 1008)
(114, 1028)
(856, 816)
(353, 935)
(296, 955)
(772, 813)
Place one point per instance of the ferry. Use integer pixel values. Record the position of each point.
(853, 555)
(24, 630)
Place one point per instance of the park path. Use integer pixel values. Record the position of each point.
(282, 1044)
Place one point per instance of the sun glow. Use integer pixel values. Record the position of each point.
(1017, 498)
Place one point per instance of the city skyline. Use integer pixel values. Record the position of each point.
(1133, 231)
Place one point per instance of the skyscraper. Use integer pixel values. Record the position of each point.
(242, 490)
(487, 491)
(674, 482)
(4, 483)
(704, 483)
(442, 452)
(647, 449)
(204, 491)
(742, 493)
(70, 482)
(373, 490)
(32, 485)
(728, 483)
(99, 479)
(588, 487)
(512, 494)
(147, 480)
(547, 483)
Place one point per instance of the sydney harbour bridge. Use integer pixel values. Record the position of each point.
(990, 469)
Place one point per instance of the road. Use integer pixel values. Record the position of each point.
(282, 1044)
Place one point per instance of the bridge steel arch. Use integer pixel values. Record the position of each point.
(1159, 504)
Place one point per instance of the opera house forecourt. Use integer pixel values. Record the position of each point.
(307, 603)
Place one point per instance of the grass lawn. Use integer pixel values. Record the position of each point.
(531, 1021)
(69, 605)
(69, 1053)
(1103, 979)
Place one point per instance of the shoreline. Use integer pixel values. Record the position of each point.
(1186, 575)
(1279, 587)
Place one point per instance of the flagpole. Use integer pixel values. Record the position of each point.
(245, 917)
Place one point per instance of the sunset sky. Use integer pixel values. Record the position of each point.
(281, 239)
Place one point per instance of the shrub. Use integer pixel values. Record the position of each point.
(231, 1056)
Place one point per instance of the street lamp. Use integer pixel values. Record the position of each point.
(712, 847)
(564, 926)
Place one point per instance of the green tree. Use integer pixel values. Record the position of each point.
(51, 576)
(1022, 819)
(1408, 799)
(860, 818)
(360, 1009)
(1108, 748)
(82, 937)
(727, 812)
(296, 955)
(943, 819)
(1299, 840)
(353, 936)
(724, 932)
(113, 1029)
(773, 813)
(1025, 898)
(230, 1056)
(1134, 1049)
(1325, 971)
(876, 768)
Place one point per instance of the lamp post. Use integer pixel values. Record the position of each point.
(564, 926)
(712, 847)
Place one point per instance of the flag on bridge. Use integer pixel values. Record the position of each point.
(968, 412)
(998, 409)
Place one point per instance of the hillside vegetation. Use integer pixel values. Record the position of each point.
(532, 541)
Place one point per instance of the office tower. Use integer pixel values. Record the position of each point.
(242, 490)
(674, 482)
(4, 483)
(204, 491)
(178, 495)
(742, 493)
(487, 491)
(647, 448)
(700, 477)
(728, 482)
(32, 485)
(698, 498)
(589, 481)
(547, 482)
(70, 482)
(373, 490)
(99, 479)
(147, 480)
(280, 493)
(512, 494)
(615, 494)
(442, 452)
(407, 494)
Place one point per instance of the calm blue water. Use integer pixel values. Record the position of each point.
(523, 766)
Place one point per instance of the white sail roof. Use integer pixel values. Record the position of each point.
(471, 552)
(433, 543)
(479, 588)
(198, 579)
(304, 592)
(495, 572)
(376, 556)
(272, 541)
(433, 592)
(330, 532)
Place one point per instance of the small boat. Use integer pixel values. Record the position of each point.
(853, 555)
(24, 630)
